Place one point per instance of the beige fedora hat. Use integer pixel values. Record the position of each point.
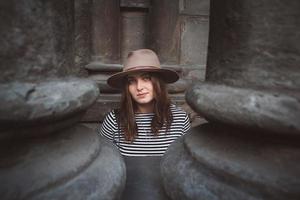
(142, 60)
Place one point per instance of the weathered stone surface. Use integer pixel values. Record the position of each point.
(179, 86)
(44, 107)
(101, 80)
(164, 30)
(82, 33)
(214, 162)
(36, 40)
(53, 99)
(103, 67)
(271, 110)
(135, 30)
(103, 105)
(73, 164)
(254, 43)
(21, 130)
(135, 3)
(105, 31)
(194, 51)
(194, 7)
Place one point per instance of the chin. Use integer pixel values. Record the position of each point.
(144, 101)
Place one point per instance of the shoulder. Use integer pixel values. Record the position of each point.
(111, 116)
(109, 125)
(180, 117)
(109, 122)
(177, 110)
(178, 113)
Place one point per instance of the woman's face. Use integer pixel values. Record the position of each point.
(141, 88)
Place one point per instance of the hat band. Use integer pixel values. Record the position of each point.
(140, 67)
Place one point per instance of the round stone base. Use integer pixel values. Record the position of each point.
(275, 111)
(36, 109)
(219, 162)
(72, 164)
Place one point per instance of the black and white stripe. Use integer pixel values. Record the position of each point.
(146, 143)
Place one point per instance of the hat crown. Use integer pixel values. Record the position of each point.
(142, 58)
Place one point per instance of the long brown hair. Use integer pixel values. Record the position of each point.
(162, 112)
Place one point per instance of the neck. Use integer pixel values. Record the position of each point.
(145, 108)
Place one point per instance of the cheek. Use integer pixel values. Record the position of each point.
(131, 89)
(150, 86)
(150, 89)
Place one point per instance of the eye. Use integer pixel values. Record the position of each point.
(130, 81)
(146, 77)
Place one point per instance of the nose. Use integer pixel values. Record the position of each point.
(139, 84)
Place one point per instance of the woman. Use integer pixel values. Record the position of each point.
(146, 122)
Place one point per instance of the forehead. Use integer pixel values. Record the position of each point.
(138, 74)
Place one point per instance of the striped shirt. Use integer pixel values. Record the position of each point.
(146, 143)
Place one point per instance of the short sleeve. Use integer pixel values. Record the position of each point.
(186, 124)
(109, 126)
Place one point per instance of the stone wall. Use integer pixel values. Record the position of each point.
(37, 40)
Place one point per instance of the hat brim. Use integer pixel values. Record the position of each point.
(117, 80)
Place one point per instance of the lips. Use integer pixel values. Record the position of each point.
(141, 95)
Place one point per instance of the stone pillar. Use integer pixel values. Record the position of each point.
(250, 148)
(83, 34)
(164, 30)
(36, 40)
(105, 31)
(44, 153)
